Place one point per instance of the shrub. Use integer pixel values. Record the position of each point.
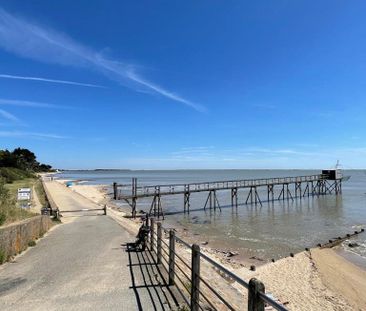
(32, 243)
(2, 256)
(11, 174)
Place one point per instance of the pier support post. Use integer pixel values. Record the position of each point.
(255, 303)
(298, 192)
(171, 257)
(187, 204)
(288, 193)
(234, 197)
(156, 208)
(257, 198)
(195, 277)
(212, 199)
(133, 204)
(250, 195)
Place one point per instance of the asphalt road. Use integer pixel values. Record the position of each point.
(82, 265)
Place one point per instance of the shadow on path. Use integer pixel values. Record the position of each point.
(148, 282)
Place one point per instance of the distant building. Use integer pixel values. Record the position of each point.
(332, 174)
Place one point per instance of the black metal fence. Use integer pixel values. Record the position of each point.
(190, 279)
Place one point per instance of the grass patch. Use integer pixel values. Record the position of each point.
(9, 208)
(2, 256)
(11, 174)
(40, 192)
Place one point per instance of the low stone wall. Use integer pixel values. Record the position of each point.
(14, 238)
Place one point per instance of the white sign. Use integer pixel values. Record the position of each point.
(24, 194)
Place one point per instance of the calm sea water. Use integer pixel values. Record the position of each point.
(269, 231)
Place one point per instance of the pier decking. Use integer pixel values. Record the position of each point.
(285, 188)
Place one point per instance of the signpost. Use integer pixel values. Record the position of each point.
(24, 194)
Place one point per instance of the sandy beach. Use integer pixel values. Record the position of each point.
(318, 279)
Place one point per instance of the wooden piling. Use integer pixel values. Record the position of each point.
(195, 278)
(255, 303)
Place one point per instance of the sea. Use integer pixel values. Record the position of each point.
(271, 230)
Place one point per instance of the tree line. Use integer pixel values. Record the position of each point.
(22, 159)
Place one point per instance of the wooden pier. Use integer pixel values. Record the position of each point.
(281, 188)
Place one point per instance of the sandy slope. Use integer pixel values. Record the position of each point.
(341, 276)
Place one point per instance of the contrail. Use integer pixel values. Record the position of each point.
(5, 76)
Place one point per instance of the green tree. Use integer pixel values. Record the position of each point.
(23, 159)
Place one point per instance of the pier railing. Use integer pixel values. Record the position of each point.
(190, 279)
(180, 188)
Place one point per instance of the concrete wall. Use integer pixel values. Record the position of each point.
(14, 238)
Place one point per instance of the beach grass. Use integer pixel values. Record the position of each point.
(9, 208)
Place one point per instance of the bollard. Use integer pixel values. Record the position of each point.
(152, 220)
(195, 277)
(255, 303)
(158, 242)
(115, 191)
(171, 257)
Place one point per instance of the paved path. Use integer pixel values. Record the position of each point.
(82, 265)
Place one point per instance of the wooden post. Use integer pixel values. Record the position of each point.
(115, 191)
(255, 303)
(195, 277)
(152, 220)
(105, 209)
(158, 242)
(171, 257)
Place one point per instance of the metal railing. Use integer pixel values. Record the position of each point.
(213, 185)
(188, 274)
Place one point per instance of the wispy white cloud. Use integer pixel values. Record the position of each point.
(134, 77)
(8, 116)
(26, 103)
(6, 76)
(30, 135)
(32, 41)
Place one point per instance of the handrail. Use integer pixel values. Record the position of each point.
(256, 299)
(286, 178)
(165, 189)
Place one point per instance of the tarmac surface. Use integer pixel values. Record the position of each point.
(82, 264)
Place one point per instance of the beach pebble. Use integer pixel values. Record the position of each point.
(252, 268)
(353, 245)
(231, 254)
(256, 258)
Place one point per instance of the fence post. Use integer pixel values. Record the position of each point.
(152, 221)
(255, 303)
(195, 277)
(158, 242)
(171, 257)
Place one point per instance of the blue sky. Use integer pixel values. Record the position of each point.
(184, 84)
